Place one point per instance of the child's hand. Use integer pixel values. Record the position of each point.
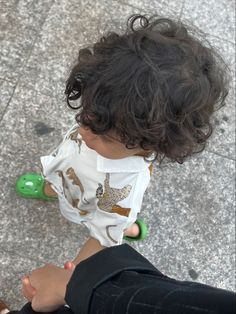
(27, 290)
(45, 287)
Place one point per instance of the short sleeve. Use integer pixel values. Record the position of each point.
(119, 202)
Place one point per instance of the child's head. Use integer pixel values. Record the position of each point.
(153, 88)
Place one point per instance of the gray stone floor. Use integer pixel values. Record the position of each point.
(189, 207)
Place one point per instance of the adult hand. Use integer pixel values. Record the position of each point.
(45, 287)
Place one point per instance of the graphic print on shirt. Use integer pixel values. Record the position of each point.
(65, 187)
(108, 233)
(151, 169)
(71, 175)
(74, 137)
(108, 199)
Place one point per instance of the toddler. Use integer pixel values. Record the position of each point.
(142, 96)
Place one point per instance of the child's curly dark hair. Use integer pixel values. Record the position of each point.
(156, 86)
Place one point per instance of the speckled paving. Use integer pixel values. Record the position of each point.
(189, 207)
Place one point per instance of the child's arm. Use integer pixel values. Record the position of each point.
(90, 247)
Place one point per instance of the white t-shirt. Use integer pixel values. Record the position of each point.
(103, 194)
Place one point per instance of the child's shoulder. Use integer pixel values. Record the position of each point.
(131, 164)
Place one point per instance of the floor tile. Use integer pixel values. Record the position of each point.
(213, 17)
(190, 212)
(7, 90)
(20, 22)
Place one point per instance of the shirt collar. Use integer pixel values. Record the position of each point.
(128, 164)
